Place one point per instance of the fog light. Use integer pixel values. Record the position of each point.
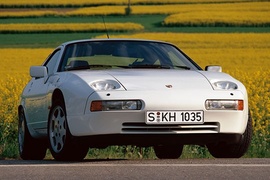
(115, 105)
(224, 105)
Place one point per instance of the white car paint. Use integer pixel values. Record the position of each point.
(164, 90)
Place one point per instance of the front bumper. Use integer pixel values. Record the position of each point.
(100, 123)
(132, 122)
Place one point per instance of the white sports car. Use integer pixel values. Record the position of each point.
(101, 92)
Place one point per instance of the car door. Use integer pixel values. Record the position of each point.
(37, 100)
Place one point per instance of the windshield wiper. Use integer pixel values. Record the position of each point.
(151, 66)
(68, 68)
(143, 66)
(157, 66)
(183, 67)
(110, 66)
(93, 66)
(100, 66)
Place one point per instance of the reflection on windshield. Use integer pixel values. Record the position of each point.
(123, 54)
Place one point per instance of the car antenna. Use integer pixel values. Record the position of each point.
(105, 28)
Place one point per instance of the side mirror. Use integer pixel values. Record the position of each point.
(213, 68)
(38, 71)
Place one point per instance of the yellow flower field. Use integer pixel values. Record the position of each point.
(69, 27)
(247, 13)
(219, 18)
(245, 56)
(208, 7)
(254, 13)
(14, 67)
(94, 2)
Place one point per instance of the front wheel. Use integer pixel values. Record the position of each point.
(168, 151)
(62, 145)
(233, 150)
(29, 147)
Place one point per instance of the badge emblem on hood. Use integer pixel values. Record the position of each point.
(168, 86)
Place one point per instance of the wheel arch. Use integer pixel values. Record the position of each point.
(30, 129)
(19, 108)
(57, 96)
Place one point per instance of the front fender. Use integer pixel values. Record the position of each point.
(75, 93)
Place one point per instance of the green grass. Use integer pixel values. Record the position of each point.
(260, 147)
(151, 23)
(40, 40)
(8, 140)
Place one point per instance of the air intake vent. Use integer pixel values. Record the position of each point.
(210, 127)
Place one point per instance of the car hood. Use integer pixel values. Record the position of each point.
(160, 79)
(140, 79)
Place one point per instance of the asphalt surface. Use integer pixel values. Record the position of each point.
(217, 169)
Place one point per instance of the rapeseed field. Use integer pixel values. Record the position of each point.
(69, 27)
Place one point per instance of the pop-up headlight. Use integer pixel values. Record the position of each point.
(104, 85)
(224, 85)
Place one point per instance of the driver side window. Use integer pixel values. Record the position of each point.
(52, 60)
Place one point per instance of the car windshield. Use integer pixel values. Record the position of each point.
(124, 54)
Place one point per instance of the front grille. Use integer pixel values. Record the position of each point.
(208, 127)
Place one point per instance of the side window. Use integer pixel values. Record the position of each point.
(52, 60)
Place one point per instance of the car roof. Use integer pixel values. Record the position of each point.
(113, 39)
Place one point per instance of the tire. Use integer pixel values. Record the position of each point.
(168, 151)
(62, 145)
(233, 150)
(29, 147)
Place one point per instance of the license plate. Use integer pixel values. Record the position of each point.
(174, 117)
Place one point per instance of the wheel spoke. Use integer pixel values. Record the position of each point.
(58, 129)
(62, 125)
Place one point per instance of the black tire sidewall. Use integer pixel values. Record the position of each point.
(32, 149)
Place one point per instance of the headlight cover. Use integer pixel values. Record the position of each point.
(115, 105)
(216, 104)
(224, 85)
(105, 85)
